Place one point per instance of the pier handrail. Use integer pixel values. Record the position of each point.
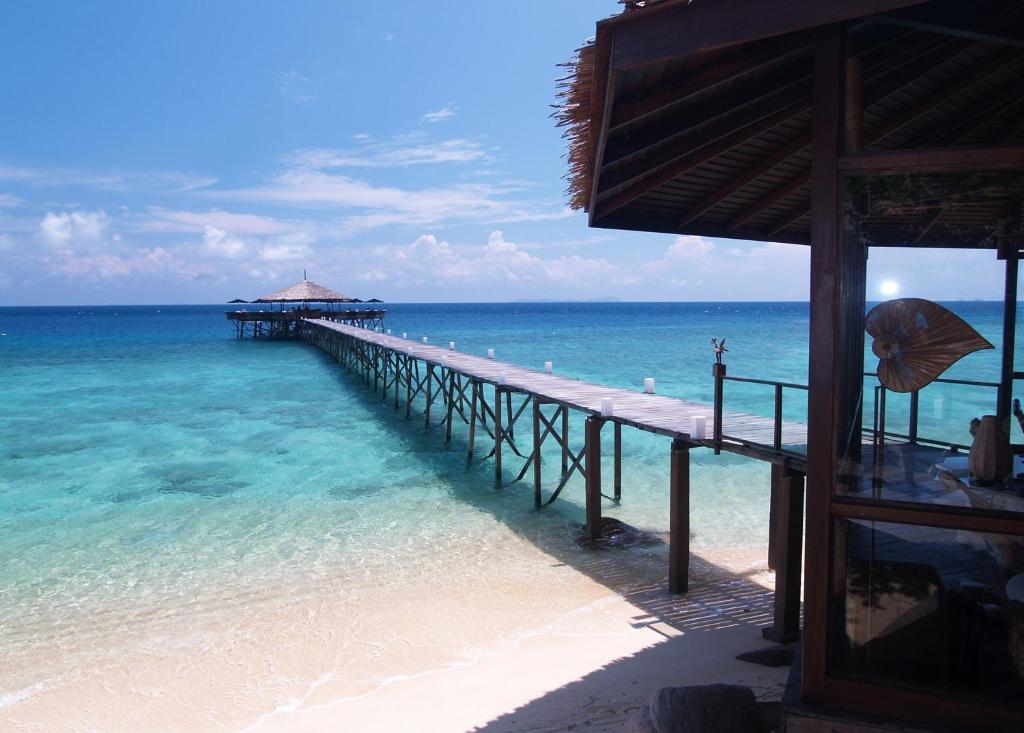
(721, 377)
(911, 435)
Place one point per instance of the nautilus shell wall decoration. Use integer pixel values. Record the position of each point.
(917, 340)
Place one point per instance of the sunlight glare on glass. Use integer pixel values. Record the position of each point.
(889, 288)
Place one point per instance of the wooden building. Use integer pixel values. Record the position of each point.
(304, 299)
(845, 125)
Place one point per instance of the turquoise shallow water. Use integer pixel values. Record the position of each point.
(150, 459)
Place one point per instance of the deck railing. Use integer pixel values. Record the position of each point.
(721, 378)
(879, 425)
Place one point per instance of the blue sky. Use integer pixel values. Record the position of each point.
(176, 152)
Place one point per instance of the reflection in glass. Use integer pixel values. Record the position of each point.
(930, 607)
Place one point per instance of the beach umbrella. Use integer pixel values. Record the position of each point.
(916, 340)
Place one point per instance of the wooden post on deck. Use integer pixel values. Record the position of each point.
(592, 437)
(679, 518)
(718, 372)
(788, 512)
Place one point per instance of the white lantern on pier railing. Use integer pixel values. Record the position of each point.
(444, 362)
(451, 346)
(389, 332)
(548, 367)
(649, 385)
(698, 427)
(607, 407)
(490, 353)
(424, 339)
(405, 335)
(502, 378)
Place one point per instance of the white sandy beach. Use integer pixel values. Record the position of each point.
(515, 640)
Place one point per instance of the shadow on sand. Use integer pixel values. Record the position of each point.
(703, 630)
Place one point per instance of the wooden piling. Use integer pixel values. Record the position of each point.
(537, 502)
(592, 436)
(618, 461)
(679, 518)
(788, 506)
(498, 435)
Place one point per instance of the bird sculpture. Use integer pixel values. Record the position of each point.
(719, 348)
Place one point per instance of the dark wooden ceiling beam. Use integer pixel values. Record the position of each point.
(642, 105)
(788, 189)
(944, 93)
(674, 30)
(674, 166)
(930, 224)
(925, 105)
(748, 176)
(883, 57)
(960, 19)
(783, 85)
(788, 219)
(974, 118)
(934, 160)
(885, 81)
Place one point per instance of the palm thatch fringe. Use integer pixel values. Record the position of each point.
(573, 113)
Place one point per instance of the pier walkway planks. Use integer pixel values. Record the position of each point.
(743, 433)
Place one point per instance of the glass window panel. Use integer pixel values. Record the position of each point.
(929, 608)
(922, 315)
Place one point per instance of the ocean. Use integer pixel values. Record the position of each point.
(154, 470)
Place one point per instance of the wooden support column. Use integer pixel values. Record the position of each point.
(788, 513)
(449, 403)
(1008, 250)
(679, 518)
(537, 501)
(430, 396)
(409, 363)
(565, 440)
(474, 388)
(498, 435)
(825, 355)
(593, 476)
(618, 462)
(398, 377)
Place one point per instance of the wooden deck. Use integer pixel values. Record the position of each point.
(743, 433)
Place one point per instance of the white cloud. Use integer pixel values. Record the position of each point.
(156, 261)
(440, 115)
(687, 247)
(289, 247)
(398, 151)
(9, 200)
(383, 205)
(498, 262)
(295, 87)
(219, 243)
(167, 220)
(144, 182)
(67, 229)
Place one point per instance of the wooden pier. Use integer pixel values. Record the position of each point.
(491, 397)
(288, 323)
